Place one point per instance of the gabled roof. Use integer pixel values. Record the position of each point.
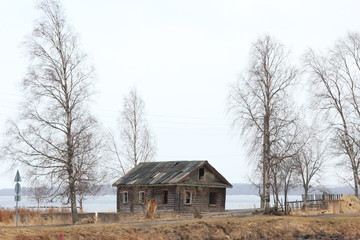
(166, 173)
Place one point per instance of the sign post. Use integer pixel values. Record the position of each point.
(17, 194)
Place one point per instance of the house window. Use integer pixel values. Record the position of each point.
(201, 173)
(125, 197)
(188, 197)
(141, 197)
(212, 198)
(165, 196)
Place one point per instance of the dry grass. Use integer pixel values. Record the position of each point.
(217, 228)
(6, 215)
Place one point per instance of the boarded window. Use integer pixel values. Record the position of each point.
(125, 197)
(212, 198)
(165, 196)
(201, 173)
(141, 197)
(188, 196)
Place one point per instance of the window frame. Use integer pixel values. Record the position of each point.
(125, 193)
(214, 198)
(201, 176)
(167, 197)
(142, 198)
(186, 198)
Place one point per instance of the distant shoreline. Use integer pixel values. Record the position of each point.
(238, 189)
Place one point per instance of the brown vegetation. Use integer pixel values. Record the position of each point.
(6, 215)
(350, 204)
(151, 208)
(217, 228)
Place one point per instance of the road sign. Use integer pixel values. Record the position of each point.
(17, 197)
(17, 188)
(17, 177)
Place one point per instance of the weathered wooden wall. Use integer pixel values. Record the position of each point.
(157, 193)
(200, 199)
(209, 177)
(134, 205)
(176, 199)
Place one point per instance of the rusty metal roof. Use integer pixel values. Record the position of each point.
(173, 172)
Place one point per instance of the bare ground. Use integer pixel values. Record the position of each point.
(248, 228)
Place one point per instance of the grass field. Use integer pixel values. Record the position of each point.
(215, 228)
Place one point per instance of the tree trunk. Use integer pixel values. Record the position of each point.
(306, 193)
(74, 213)
(275, 190)
(266, 188)
(263, 186)
(264, 182)
(285, 202)
(356, 182)
(81, 203)
(70, 166)
(266, 161)
(351, 153)
(354, 166)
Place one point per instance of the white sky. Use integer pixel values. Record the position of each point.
(181, 55)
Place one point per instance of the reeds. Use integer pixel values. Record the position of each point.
(6, 215)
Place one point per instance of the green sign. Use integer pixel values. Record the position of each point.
(17, 177)
(17, 188)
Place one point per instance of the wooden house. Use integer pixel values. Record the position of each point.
(178, 186)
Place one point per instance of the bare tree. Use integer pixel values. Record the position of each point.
(39, 192)
(311, 160)
(290, 178)
(259, 103)
(255, 180)
(89, 175)
(136, 141)
(117, 166)
(283, 178)
(55, 135)
(276, 183)
(335, 84)
(283, 169)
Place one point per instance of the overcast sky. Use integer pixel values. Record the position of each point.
(181, 55)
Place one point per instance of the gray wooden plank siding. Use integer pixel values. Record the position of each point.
(150, 192)
(176, 199)
(200, 200)
(158, 195)
(209, 177)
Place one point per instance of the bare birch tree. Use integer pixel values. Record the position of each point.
(276, 184)
(335, 83)
(311, 160)
(284, 176)
(290, 178)
(116, 165)
(258, 103)
(90, 175)
(55, 135)
(136, 141)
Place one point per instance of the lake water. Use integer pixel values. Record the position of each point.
(107, 203)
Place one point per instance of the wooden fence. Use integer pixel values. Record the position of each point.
(314, 201)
